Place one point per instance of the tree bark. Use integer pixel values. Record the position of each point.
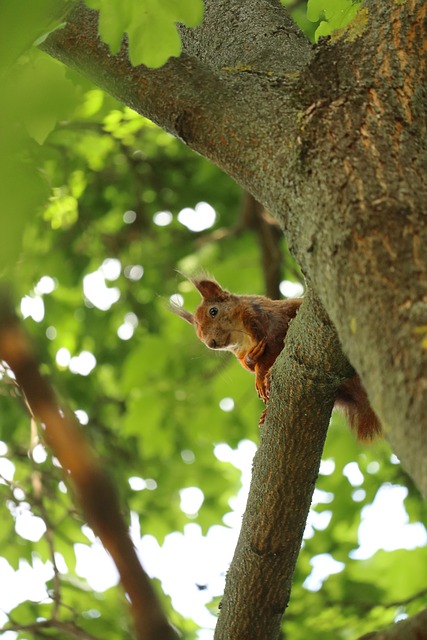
(332, 140)
(284, 475)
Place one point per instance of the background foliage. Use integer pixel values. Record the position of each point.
(96, 207)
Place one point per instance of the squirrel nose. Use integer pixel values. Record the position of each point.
(212, 344)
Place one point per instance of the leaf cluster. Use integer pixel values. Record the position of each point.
(321, 18)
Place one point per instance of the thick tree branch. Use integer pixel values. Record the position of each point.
(93, 486)
(304, 383)
(268, 39)
(211, 109)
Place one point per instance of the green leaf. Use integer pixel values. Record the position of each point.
(114, 20)
(332, 14)
(399, 584)
(150, 26)
(21, 192)
(47, 93)
(23, 22)
(316, 9)
(139, 364)
(153, 41)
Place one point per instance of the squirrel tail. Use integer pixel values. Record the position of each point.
(354, 403)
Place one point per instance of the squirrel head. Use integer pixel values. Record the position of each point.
(217, 319)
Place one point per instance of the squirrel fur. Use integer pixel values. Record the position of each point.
(254, 328)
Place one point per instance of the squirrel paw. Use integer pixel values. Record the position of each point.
(263, 386)
(252, 357)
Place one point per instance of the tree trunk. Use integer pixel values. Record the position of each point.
(332, 141)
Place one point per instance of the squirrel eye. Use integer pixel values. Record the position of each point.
(213, 311)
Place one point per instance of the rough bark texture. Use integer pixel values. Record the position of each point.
(366, 244)
(332, 140)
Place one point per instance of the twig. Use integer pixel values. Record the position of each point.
(37, 481)
(67, 627)
(269, 236)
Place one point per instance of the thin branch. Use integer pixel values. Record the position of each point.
(368, 606)
(67, 627)
(270, 236)
(405, 601)
(93, 486)
(414, 628)
(304, 384)
(254, 217)
(37, 482)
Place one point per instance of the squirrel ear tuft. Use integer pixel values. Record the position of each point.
(209, 289)
(182, 313)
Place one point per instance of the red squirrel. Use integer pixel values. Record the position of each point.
(254, 329)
